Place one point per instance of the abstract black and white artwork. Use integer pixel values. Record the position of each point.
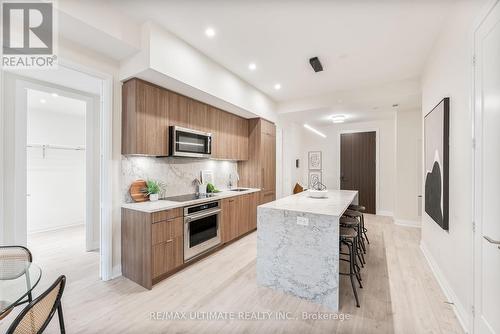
(314, 178)
(437, 130)
(315, 160)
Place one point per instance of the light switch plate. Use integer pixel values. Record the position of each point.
(302, 221)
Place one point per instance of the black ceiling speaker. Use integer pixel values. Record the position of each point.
(316, 64)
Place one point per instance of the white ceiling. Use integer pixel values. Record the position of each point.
(58, 104)
(361, 43)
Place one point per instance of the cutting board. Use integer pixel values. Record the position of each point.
(136, 191)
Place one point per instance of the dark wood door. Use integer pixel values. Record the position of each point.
(358, 166)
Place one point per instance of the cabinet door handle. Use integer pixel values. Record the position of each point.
(169, 241)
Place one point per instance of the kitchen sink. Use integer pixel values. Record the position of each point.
(239, 189)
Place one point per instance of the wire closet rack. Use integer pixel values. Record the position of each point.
(46, 147)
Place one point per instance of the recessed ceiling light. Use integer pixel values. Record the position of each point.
(277, 86)
(43, 100)
(54, 95)
(252, 66)
(338, 118)
(310, 128)
(210, 32)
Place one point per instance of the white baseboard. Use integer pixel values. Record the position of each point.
(459, 309)
(385, 213)
(56, 228)
(408, 223)
(117, 271)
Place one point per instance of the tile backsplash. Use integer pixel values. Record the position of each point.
(177, 173)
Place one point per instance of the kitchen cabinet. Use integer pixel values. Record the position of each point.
(167, 243)
(152, 245)
(232, 137)
(178, 110)
(239, 216)
(144, 119)
(229, 219)
(148, 111)
(254, 200)
(259, 171)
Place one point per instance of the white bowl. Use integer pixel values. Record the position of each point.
(317, 193)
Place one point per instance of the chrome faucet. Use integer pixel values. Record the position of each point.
(230, 182)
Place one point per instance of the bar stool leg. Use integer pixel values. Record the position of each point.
(352, 272)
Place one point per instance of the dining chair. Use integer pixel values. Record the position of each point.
(37, 315)
(13, 263)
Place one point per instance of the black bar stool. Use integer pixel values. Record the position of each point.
(347, 237)
(361, 209)
(351, 222)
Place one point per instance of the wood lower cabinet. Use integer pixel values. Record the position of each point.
(259, 171)
(239, 216)
(229, 219)
(152, 244)
(168, 246)
(149, 110)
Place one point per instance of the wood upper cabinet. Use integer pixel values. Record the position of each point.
(178, 110)
(198, 116)
(260, 169)
(149, 110)
(232, 137)
(144, 119)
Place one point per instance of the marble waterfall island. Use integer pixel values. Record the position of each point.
(298, 245)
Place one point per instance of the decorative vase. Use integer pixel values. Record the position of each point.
(153, 197)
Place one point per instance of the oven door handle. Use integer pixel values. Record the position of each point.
(190, 218)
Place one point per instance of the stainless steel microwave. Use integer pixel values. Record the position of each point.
(190, 143)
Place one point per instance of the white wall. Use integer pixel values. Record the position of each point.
(291, 150)
(448, 72)
(408, 167)
(56, 183)
(168, 61)
(102, 64)
(298, 141)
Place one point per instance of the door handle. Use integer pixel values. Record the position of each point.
(491, 241)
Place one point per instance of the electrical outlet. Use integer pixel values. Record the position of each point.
(302, 221)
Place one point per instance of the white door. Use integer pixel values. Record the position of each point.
(487, 175)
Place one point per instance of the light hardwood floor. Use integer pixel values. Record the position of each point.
(400, 294)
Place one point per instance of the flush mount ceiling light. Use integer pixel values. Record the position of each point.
(43, 101)
(310, 128)
(277, 86)
(210, 32)
(338, 118)
(54, 95)
(252, 66)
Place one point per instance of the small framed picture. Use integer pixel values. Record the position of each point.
(314, 178)
(315, 160)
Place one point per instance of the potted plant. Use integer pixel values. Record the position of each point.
(153, 189)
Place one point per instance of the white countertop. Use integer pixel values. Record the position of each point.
(150, 207)
(334, 204)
